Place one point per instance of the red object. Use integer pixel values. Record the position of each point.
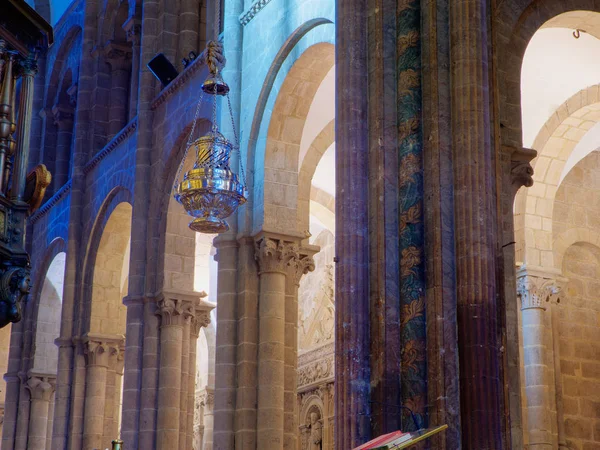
(381, 440)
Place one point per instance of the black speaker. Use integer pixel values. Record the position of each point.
(162, 69)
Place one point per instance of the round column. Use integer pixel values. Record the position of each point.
(118, 55)
(99, 353)
(299, 267)
(535, 292)
(174, 313)
(41, 388)
(63, 118)
(273, 256)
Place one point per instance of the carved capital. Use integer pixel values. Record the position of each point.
(72, 93)
(521, 172)
(133, 30)
(301, 266)
(41, 387)
(118, 55)
(537, 289)
(175, 311)
(275, 255)
(102, 350)
(28, 66)
(63, 116)
(207, 398)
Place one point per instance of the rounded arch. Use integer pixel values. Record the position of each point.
(70, 43)
(324, 140)
(282, 148)
(513, 40)
(117, 196)
(48, 317)
(555, 144)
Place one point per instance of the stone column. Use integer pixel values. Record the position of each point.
(100, 352)
(479, 343)
(352, 343)
(112, 408)
(63, 119)
(298, 267)
(118, 56)
(274, 256)
(208, 403)
(175, 313)
(133, 29)
(226, 357)
(41, 388)
(535, 290)
(202, 319)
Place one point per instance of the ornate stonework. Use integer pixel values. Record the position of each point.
(99, 349)
(535, 290)
(316, 366)
(174, 311)
(41, 387)
(520, 168)
(275, 255)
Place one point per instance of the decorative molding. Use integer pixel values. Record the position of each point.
(181, 80)
(316, 367)
(275, 254)
(108, 148)
(63, 191)
(251, 12)
(536, 289)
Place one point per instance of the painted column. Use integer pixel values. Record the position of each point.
(175, 314)
(41, 388)
(535, 291)
(100, 352)
(63, 119)
(118, 56)
(479, 343)
(302, 265)
(352, 375)
(133, 29)
(273, 255)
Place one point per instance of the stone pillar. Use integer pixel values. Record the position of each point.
(133, 29)
(298, 267)
(352, 226)
(208, 403)
(41, 388)
(63, 119)
(479, 342)
(274, 256)
(535, 290)
(225, 355)
(202, 319)
(112, 408)
(118, 56)
(101, 353)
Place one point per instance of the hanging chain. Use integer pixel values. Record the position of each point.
(189, 143)
(237, 142)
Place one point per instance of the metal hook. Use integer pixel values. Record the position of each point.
(577, 33)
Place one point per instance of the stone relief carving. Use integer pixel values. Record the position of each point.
(536, 291)
(314, 372)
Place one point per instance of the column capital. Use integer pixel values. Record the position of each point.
(177, 307)
(118, 55)
(63, 116)
(275, 253)
(99, 349)
(72, 93)
(521, 172)
(28, 66)
(302, 265)
(41, 386)
(133, 30)
(207, 397)
(536, 288)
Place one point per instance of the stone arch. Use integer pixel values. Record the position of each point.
(280, 193)
(555, 143)
(115, 197)
(48, 317)
(312, 32)
(513, 40)
(324, 140)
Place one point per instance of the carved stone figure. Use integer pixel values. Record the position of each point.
(316, 432)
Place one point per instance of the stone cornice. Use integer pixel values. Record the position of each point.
(251, 12)
(181, 79)
(51, 202)
(114, 143)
